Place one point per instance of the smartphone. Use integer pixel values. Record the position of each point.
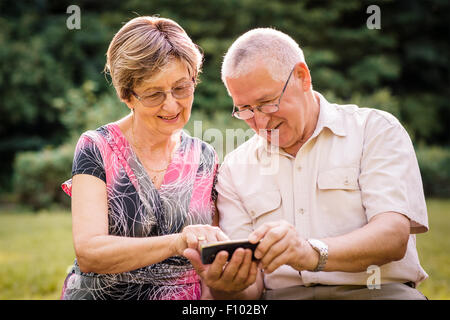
(209, 250)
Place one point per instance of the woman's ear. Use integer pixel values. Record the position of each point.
(128, 101)
(302, 73)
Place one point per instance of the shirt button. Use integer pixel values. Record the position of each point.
(300, 211)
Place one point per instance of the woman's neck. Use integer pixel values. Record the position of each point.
(148, 143)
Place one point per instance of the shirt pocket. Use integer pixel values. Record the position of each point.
(338, 178)
(338, 200)
(263, 206)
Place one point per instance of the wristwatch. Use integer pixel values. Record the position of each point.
(322, 249)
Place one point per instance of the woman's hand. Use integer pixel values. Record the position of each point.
(193, 236)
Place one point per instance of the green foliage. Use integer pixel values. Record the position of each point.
(434, 163)
(38, 176)
(51, 77)
(85, 108)
(380, 99)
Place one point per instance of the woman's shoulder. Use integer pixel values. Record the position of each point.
(99, 134)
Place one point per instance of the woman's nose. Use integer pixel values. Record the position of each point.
(170, 104)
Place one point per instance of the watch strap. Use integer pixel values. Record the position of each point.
(322, 249)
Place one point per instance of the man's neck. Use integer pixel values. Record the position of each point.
(314, 105)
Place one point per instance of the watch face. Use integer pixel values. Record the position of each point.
(314, 243)
(317, 244)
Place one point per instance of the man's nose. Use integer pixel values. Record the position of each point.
(261, 119)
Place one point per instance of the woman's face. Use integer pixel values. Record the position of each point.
(170, 115)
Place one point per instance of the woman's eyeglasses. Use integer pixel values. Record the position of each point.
(154, 99)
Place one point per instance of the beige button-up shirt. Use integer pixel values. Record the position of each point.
(358, 163)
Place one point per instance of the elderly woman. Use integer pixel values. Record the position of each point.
(142, 189)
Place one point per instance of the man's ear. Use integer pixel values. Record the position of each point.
(302, 73)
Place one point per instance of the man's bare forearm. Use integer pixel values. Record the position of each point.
(384, 239)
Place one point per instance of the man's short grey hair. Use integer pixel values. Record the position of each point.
(275, 49)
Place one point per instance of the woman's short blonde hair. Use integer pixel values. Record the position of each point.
(143, 47)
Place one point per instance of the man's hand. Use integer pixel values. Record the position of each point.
(222, 276)
(279, 245)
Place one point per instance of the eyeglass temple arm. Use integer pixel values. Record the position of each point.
(285, 85)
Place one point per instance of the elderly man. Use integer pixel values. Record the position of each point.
(332, 193)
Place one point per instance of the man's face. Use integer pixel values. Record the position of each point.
(257, 88)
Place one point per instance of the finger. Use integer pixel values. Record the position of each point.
(253, 273)
(194, 257)
(215, 234)
(216, 268)
(275, 264)
(191, 240)
(220, 235)
(243, 272)
(211, 235)
(274, 235)
(260, 232)
(201, 240)
(234, 264)
(274, 251)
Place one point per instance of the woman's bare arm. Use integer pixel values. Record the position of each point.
(98, 252)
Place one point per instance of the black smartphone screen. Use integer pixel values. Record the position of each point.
(209, 251)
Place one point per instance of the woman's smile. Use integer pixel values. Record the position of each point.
(170, 119)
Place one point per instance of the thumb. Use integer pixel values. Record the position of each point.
(194, 257)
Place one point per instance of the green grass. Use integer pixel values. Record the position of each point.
(36, 250)
(434, 251)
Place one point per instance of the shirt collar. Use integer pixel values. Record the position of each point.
(328, 118)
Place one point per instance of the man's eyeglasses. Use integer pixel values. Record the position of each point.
(248, 112)
(154, 99)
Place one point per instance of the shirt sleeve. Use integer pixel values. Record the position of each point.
(390, 177)
(88, 159)
(233, 218)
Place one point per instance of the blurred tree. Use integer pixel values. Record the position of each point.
(402, 68)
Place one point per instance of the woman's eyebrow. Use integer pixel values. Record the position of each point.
(184, 79)
(152, 89)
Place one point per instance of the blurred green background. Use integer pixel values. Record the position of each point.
(52, 89)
